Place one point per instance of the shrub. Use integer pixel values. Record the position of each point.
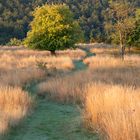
(14, 42)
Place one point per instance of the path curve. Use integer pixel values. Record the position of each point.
(51, 120)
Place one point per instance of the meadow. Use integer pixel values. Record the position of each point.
(105, 89)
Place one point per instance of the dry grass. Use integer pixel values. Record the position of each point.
(104, 49)
(109, 91)
(113, 111)
(112, 70)
(18, 67)
(14, 105)
(20, 57)
(8, 61)
(13, 48)
(66, 88)
(112, 99)
(74, 54)
(110, 61)
(100, 61)
(20, 77)
(21, 51)
(61, 63)
(105, 70)
(96, 46)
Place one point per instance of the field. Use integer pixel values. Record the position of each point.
(95, 96)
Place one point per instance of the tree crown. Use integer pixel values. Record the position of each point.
(53, 28)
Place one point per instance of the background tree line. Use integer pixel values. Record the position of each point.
(16, 15)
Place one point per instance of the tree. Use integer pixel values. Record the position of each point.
(134, 36)
(122, 22)
(53, 28)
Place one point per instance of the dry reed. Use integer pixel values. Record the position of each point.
(66, 88)
(110, 94)
(113, 111)
(14, 105)
(20, 66)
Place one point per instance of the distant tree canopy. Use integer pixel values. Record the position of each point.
(14, 19)
(53, 28)
(134, 35)
(121, 21)
(15, 16)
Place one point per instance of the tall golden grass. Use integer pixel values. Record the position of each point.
(112, 70)
(112, 99)
(8, 61)
(14, 105)
(20, 77)
(21, 51)
(66, 88)
(74, 54)
(103, 61)
(110, 61)
(20, 66)
(110, 93)
(113, 111)
(108, 70)
(105, 49)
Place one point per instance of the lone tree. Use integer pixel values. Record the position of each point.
(53, 28)
(122, 22)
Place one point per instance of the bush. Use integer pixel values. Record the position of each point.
(53, 28)
(14, 42)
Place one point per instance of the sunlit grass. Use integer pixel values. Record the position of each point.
(18, 68)
(108, 93)
(113, 111)
(14, 106)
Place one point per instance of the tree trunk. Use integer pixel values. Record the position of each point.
(122, 47)
(129, 49)
(53, 53)
(122, 51)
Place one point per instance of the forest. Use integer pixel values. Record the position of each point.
(16, 15)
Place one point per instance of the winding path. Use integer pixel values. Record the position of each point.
(51, 120)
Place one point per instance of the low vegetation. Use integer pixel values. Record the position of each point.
(107, 92)
(103, 49)
(18, 68)
(15, 104)
(66, 88)
(112, 111)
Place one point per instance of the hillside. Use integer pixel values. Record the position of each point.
(15, 16)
